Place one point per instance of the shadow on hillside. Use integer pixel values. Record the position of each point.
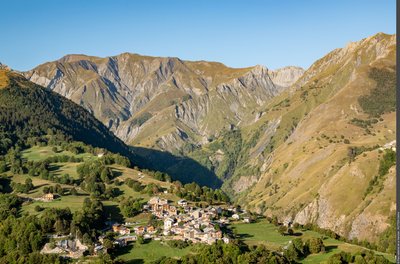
(135, 261)
(116, 172)
(36, 187)
(114, 212)
(5, 185)
(330, 248)
(126, 250)
(54, 167)
(243, 236)
(184, 169)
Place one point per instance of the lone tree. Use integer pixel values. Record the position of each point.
(316, 245)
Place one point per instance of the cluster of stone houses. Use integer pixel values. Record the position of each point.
(160, 207)
(192, 224)
(180, 222)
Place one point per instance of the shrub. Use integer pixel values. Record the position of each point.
(38, 208)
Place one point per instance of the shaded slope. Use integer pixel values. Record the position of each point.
(28, 110)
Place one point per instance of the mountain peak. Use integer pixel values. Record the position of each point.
(259, 69)
(286, 76)
(75, 57)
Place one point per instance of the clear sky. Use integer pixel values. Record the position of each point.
(236, 33)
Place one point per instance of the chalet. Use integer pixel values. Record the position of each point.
(128, 238)
(246, 219)
(215, 210)
(196, 213)
(48, 197)
(157, 200)
(223, 220)
(172, 210)
(159, 214)
(235, 216)
(209, 229)
(178, 230)
(122, 230)
(139, 230)
(182, 202)
(191, 234)
(151, 229)
(120, 242)
(226, 240)
(217, 234)
(168, 223)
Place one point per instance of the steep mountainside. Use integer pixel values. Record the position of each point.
(28, 110)
(163, 103)
(326, 158)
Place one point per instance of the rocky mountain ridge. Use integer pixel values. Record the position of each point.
(124, 89)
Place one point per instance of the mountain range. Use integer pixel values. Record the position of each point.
(163, 103)
(310, 146)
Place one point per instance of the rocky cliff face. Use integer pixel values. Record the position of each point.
(162, 102)
(286, 76)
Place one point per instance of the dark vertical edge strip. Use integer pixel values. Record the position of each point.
(397, 136)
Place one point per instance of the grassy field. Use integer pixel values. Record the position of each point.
(37, 153)
(73, 202)
(38, 184)
(62, 168)
(146, 253)
(265, 233)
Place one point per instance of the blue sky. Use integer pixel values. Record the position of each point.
(236, 33)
